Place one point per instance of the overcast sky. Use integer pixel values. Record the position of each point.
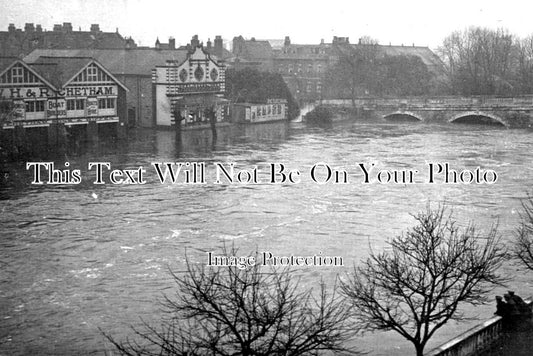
(424, 23)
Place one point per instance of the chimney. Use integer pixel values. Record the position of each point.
(39, 28)
(321, 41)
(194, 42)
(57, 27)
(67, 26)
(95, 27)
(130, 43)
(238, 44)
(287, 41)
(28, 27)
(218, 46)
(171, 43)
(11, 27)
(209, 44)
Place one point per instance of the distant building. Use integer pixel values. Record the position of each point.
(215, 48)
(17, 42)
(273, 110)
(60, 92)
(190, 86)
(251, 54)
(303, 65)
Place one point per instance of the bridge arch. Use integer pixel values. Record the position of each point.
(403, 116)
(479, 114)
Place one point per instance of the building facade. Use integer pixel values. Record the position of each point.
(191, 87)
(273, 110)
(303, 66)
(57, 93)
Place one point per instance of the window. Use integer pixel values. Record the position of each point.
(76, 104)
(35, 106)
(30, 106)
(71, 105)
(17, 74)
(106, 103)
(92, 74)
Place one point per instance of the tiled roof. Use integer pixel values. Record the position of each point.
(258, 49)
(19, 43)
(58, 70)
(424, 53)
(6, 62)
(118, 61)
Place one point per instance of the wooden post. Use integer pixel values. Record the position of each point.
(92, 131)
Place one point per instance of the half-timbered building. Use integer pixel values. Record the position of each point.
(61, 91)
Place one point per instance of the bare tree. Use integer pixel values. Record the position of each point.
(524, 64)
(417, 286)
(245, 311)
(479, 61)
(354, 73)
(523, 245)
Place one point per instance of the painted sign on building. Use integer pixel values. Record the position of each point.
(92, 106)
(43, 92)
(19, 110)
(56, 108)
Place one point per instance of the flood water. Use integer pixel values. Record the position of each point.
(78, 258)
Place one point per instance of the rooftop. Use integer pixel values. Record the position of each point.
(136, 61)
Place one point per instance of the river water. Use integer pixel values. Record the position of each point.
(78, 258)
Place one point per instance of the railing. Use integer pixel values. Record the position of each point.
(471, 342)
(474, 340)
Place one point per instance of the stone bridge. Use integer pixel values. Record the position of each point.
(513, 112)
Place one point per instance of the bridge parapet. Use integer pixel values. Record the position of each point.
(508, 111)
(436, 102)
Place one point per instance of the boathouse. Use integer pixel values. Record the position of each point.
(54, 94)
(272, 110)
(193, 87)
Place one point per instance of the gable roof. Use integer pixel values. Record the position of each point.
(32, 70)
(6, 62)
(135, 61)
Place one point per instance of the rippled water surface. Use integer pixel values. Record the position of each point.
(78, 258)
